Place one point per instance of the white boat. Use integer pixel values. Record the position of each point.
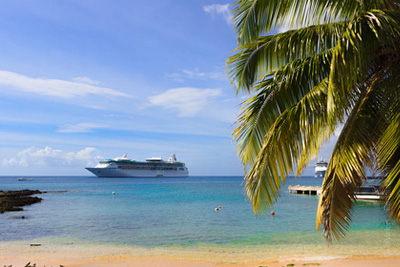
(369, 192)
(152, 167)
(24, 179)
(320, 168)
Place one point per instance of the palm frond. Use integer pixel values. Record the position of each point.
(352, 56)
(390, 152)
(280, 92)
(258, 17)
(314, 137)
(265, 55)
(354, 149)
(389, 149)
(283, 143)
(343, 76)
(339, 66)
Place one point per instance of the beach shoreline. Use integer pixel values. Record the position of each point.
(120, 260)
(71, 255)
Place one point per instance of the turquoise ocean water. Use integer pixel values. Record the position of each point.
(180, 213)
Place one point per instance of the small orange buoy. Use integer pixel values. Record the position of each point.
(272, 213)
(219, 207)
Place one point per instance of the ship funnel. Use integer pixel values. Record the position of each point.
(172, 158)
(124, 156)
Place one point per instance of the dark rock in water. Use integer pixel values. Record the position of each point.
(15, 200)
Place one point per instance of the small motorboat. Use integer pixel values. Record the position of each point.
(24, 179)
(370, 192)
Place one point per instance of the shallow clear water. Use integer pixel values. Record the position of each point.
(170, 212)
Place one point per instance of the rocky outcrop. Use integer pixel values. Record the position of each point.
(15, 200)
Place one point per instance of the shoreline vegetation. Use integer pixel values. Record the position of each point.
(15, 200)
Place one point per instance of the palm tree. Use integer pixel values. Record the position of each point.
(337, 66)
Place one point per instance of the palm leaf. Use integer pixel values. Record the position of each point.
(391, 158)
(352, 56)
(288, 86)
(389, 149)
(279, 152)
(354, 149)
(258, 17)
(339, 66)
(265, 55)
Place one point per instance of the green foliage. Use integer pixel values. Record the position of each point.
(338, 65)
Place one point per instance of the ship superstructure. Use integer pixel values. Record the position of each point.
(320, 168)
(152, 167)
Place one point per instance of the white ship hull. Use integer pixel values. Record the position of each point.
(108, 172)
(152, 167)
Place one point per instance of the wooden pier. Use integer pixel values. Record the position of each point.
(304, 190)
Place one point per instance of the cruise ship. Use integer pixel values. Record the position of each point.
(152, 167)
(320, 168)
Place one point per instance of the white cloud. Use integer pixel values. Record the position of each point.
(54, 87)
(195, 74)
(80, 127)
(49, 157)
(186, 100)
(85, 79)
(220, 10)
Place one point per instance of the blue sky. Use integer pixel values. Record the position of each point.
(86, 80)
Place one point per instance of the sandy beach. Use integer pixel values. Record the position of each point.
(118, 260)
(70, 255)
(176, 263)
